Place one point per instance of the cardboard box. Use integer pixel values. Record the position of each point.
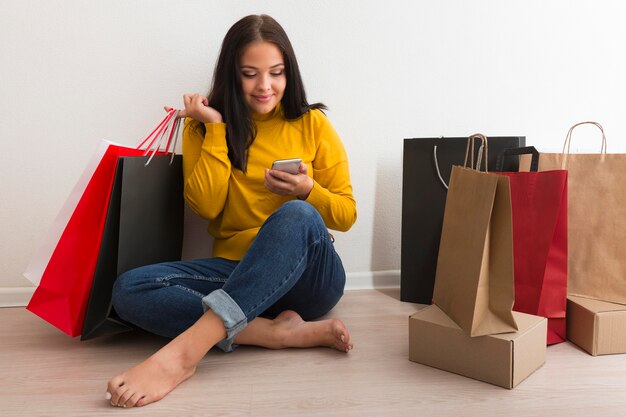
(599, 327)
(503, 359)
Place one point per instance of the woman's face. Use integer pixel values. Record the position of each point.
(263, 77)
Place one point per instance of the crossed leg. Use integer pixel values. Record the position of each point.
(296, 233)
(158, 375)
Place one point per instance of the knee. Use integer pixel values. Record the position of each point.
(299, 211)
(294, 219)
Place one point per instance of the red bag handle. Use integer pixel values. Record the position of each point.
(167, 128)
(158, 130)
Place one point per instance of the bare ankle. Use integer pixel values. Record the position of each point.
(277, 336)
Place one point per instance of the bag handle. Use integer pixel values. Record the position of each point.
(437, 167)
(166, 132)
(526, 150)
(168, 129)
(568, 138)
(157, 130)
(484, 149)
(443, 182)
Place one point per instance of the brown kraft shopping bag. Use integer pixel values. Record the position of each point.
(474, 282)
(597, 219)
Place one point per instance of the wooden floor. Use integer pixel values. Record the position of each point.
(46, 373)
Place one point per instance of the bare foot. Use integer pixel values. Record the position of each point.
(288, 329)
(299, 333)
(151, 380)
(155, 377)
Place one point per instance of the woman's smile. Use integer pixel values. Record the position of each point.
(263, 98)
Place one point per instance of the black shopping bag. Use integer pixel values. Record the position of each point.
(427, 164)
(144, 225)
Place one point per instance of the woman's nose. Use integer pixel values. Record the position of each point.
(264, 83)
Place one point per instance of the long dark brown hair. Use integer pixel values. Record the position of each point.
(226, 94)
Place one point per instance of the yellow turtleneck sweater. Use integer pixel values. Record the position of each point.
(237, 204)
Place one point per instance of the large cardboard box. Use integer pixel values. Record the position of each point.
(599, 327)
(503, 359)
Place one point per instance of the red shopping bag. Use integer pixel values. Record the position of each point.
(65, 283)
(539, 208)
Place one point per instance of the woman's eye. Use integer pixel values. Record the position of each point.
(248, 74)
(276, 74)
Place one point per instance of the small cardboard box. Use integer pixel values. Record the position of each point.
(502, 359)
(599, 327)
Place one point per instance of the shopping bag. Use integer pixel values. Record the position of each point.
(474, 280)
(427, 163)
(144, 225)
(597, 219)
(65, 281)
(539, 212)
(37, 265)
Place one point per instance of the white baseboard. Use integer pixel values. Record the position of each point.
(373, 279)
(15, 296)
(19, 296)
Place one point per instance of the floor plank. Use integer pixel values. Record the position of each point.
(46, 373)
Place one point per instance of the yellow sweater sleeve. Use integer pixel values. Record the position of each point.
(332, 190)
(206, 167)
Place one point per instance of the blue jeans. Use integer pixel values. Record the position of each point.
(291, 265)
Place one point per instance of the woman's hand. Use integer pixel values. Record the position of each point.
(284, 183)
(197, 107)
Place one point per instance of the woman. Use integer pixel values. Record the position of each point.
(272, 255)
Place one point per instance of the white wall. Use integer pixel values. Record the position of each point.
(75, 72)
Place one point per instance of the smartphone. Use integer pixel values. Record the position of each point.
(291, 166)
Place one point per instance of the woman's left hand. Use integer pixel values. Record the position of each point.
(284, 183)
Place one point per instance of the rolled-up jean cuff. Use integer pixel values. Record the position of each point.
(231, 314)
